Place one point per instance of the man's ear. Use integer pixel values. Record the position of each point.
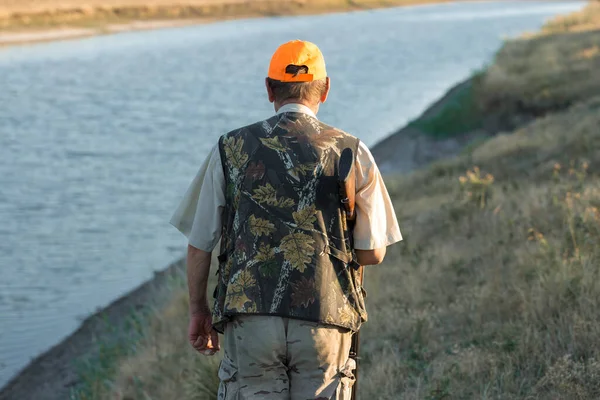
(269, 91)
(327, 89)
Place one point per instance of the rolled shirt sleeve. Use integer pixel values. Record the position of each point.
(199, 214)
(376, 223)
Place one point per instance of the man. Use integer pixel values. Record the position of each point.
(288, 297)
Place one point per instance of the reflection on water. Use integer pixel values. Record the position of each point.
(99, 138)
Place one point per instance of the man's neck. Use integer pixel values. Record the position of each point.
(314, 108)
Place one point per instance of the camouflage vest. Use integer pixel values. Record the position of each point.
(285, 250)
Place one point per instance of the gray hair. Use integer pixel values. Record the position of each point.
(303, 91)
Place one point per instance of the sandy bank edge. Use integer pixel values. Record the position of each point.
(51, 375)
(70, 33)
(227, 10)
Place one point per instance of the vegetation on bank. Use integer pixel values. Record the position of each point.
(495, 291)
(545, 72)
(156, 363)
(28, 14)
(98, 368)
(576, 22)
(459, 115)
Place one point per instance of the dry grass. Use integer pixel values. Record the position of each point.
(495, 292)
(167, 368)
(27, 14)
(158, 364)
(533, 76)
(499, 302)
(587, 20)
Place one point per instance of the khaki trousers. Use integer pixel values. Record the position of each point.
(275, 358)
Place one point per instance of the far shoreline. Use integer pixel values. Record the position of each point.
(22, 34)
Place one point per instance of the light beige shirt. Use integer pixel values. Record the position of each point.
(198, 216)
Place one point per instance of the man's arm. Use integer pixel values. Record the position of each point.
(347, 188)
(201, 334)
(198, 217)
(198, 268)
(376, 225)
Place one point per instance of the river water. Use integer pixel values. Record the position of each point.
(100, 137)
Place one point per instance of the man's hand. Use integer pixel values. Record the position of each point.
(201, 334)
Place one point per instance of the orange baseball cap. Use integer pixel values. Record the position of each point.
(298, 52)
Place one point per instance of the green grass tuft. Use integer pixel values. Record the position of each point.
(96, 371)
(458, 116)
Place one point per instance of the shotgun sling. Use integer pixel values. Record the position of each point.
(347, 187)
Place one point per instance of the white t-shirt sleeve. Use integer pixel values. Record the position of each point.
(199, 214)
(376, 223)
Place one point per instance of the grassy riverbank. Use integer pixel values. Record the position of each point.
(542, 72)
(495, 292)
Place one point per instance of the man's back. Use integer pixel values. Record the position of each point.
(286, 251)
